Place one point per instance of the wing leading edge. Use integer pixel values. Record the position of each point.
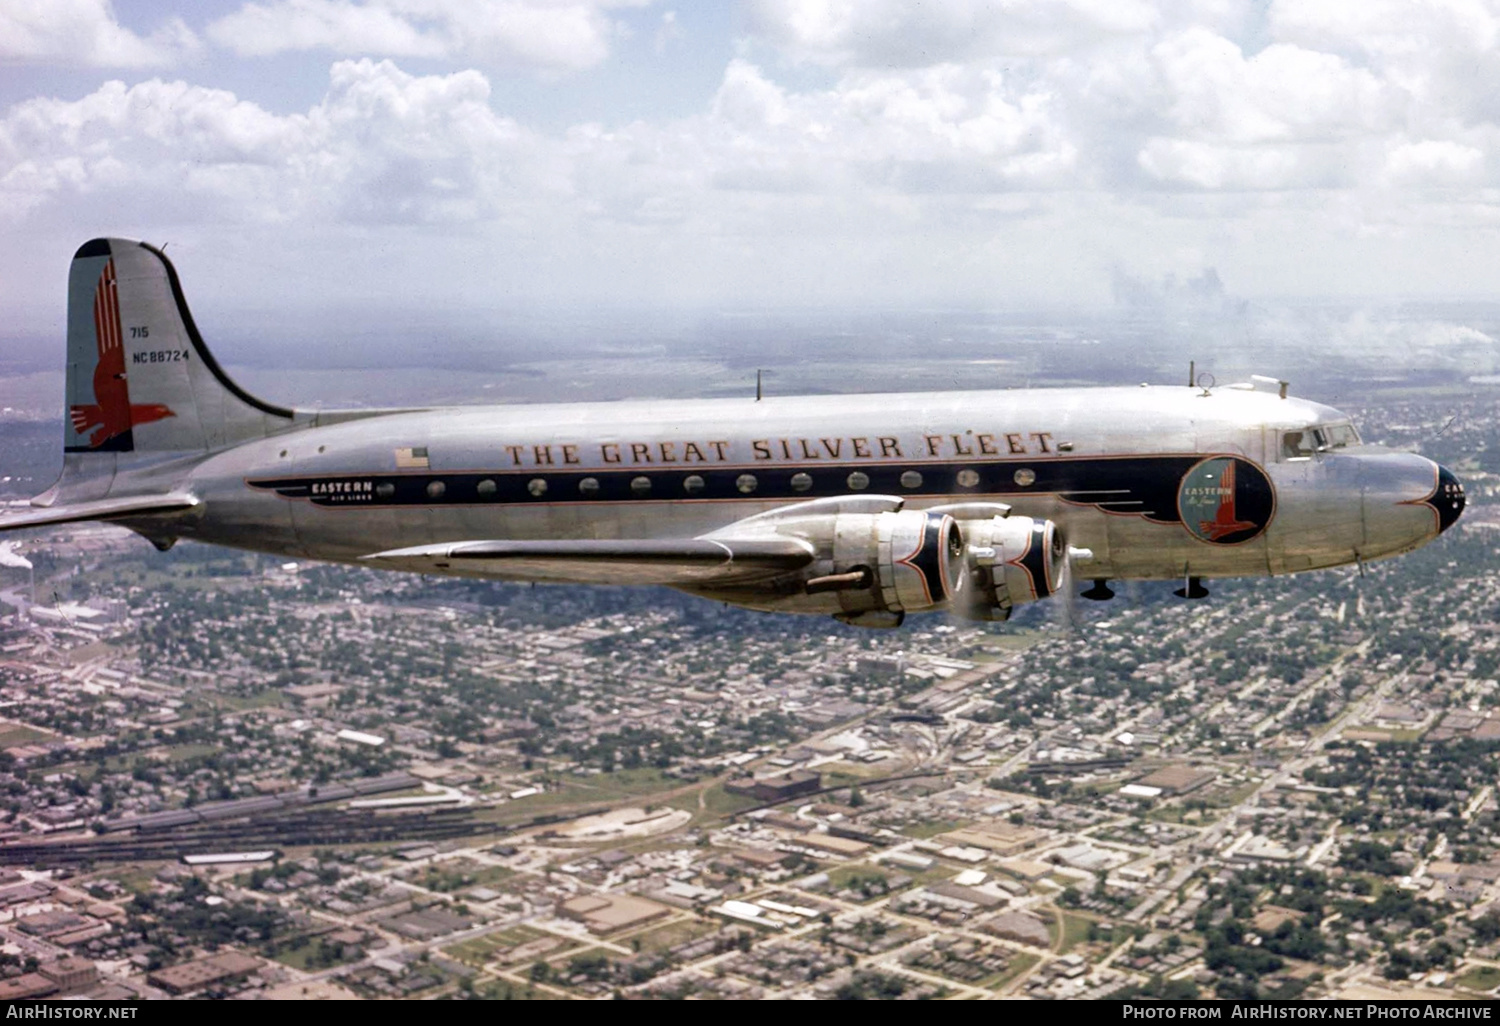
(688, 561)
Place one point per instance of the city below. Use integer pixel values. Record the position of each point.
(228, 775)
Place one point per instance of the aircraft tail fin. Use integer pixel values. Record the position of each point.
(139, 377)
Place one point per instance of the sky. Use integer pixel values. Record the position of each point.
(480, 155)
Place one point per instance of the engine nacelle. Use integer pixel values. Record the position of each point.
(884, 565)
(873, 561)
(1014, 559)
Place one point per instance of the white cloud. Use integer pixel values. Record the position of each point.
(1283, 93)
(559, 35)
(980, 147)
(86, 33)
(884, 33)
(668, 33)
(383, 146)
(1388, 28)
(936, 130)
(1440, 162)
(261, 30)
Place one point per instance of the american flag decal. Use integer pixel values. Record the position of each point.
(414, 458)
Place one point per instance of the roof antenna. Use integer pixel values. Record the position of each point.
(757, 384)
(1192, 372)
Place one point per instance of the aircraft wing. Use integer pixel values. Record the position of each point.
(687, 561)
(124, 508)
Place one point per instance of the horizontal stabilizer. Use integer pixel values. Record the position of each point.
(124, 508)
(687, 561)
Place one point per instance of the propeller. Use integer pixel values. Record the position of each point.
(1069, 615)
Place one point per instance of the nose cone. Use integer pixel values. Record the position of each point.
(1447, 499)
(1408, 501)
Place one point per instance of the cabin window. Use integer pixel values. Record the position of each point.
(385, 489)
(968, 478)
(537, 486)
(746, 483)
(911, 479)
(1025, 477)
(858, 480)
(692, 484)
(801, 482)
(640, 485)
(486, 487)
(589, 486)
(435, 489)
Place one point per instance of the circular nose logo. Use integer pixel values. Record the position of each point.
(1225, 500)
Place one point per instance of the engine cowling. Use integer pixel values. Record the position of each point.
(873, 561)
(884, 565)
(1013, 559)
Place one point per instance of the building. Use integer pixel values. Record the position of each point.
(764, 860)
(840, 847)
(1019, 927)
(313, 696)
(26, 986)
(1174, 780)
(1001, 838)
(957, 892)
(776, 789)
(71, 973)
(606, 913)
(222, 968)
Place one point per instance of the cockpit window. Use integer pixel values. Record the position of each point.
(1304, 444)
(1298, 445)
(1341, 436)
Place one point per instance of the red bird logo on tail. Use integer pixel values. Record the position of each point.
(111, 414)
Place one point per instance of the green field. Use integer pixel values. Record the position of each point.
(478, 951)
(670, 935)
(504, 990)
(1075, 930)
(839, 878)
(716, 802)
(1480, 978)
(12, 734)
(259, 700)
(458, 875)
(601, 789)
(931, 828)
(844, 876)
(303, 957)
(182, 753)
(1019, 963)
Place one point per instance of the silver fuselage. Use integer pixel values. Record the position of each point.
(1111, 466)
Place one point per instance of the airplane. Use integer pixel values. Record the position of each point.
(862, 507)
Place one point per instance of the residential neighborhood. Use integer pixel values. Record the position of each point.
(229, 775)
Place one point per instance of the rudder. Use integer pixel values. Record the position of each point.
(139, 376)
